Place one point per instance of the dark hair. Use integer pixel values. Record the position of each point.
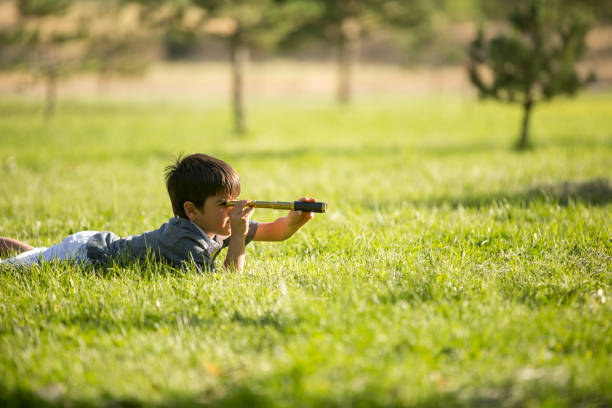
(196, 177)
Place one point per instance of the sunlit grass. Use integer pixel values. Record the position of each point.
(450, 269)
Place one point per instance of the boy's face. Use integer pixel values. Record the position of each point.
(213, 217)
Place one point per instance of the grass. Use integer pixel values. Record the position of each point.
(450, 270)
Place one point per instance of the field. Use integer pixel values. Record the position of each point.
(449, 271)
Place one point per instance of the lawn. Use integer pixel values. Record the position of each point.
(449, 271)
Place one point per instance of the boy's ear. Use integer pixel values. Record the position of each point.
(189, 209)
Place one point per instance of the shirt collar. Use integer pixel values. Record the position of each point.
(217, 240)
(199, 229)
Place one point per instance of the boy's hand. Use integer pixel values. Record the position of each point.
(298, 218)
(239, 222)
(239, 218)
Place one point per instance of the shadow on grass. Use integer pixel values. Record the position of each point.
(593, 192)
(305, 152)
(155, 320)
(515, 393)
(373, 150)
(394, 150)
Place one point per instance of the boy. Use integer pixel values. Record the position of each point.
(198, 186)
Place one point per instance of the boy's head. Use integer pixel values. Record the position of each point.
(196, 177)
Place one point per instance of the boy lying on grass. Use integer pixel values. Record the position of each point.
(198, 186)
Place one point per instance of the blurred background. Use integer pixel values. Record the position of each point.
(288, 50)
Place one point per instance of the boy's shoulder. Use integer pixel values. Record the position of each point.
(181, 231)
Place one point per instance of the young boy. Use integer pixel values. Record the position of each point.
(198, 186)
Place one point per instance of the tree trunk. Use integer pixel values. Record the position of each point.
(343, 91)
(103, 80)
(50, 94)
(347, 54)
(239, 58)
(523, 142)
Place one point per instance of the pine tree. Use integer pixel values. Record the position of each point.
(534, 62)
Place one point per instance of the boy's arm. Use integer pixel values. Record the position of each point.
(283, 227)
(239, 219)
(235, 255)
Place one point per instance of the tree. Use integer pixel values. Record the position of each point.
(533, 62)
(52, 39)
(118, 43)
(600, 11)
(342, 23)
(44, 41)
(245, 24)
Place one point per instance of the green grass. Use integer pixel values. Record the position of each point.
(450, 270)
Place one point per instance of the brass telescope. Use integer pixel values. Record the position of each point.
(285, 205)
